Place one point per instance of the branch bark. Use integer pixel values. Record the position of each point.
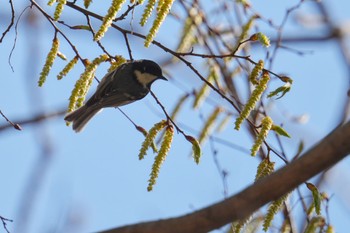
(328, 152)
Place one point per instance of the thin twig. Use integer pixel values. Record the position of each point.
(11, 22)
(280, 30)
(128, 46)
(132, 122)
(36, 119)
(123, 16)
(14, 125)
(4, 223)
(49, 18)
(166, 114)
(16, 36)
(222, 172)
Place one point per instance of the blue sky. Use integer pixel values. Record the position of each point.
(93, 180)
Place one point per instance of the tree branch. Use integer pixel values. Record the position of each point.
(11, 22)
(14, 125)
(4, 223)
(36, 119)
(328, 152)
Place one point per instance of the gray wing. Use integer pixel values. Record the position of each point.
(116, 88)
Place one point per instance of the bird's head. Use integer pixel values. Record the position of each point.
(147, 72)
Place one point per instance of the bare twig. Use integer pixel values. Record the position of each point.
(93, 36)
(4, 223)
(167, 115)
(342, 43)
(130, 8)
(222, 172)
(280, 30)
(36, 119)
(14, 125)
(128, 46)
(49, 18)
(11, 22)
(16, 36)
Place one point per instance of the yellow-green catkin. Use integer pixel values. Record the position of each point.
(253, 77)
(237, 226)
(49, 61)
(316, 197)
(266, 125)
(149, 140)
(178, 106)
(204, 90)
(330, 229)
(108, 19)
(236, 71)
(187, 36)
(314, 224)
(311, 209)
(147, 12)
(274, 207)
(196, 148)
(160, 4)
(245, 30)
(83, 84)
(209, 125)
(145, 133)
(163, 12)
(90, 73)
(286, 227)
(222, 125)
(87, 3)
(67, 68)
(254, 98)
(160, 158)
(265, 168)
(77, 89)
(188, 32)
(263, 39)
(51, 2)
(243, 2)
(59, 9)
(142, 130)
(118, 61)
(250, 224)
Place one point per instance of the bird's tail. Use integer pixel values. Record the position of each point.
(81, 117)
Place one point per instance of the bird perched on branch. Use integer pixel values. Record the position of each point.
(129, 82)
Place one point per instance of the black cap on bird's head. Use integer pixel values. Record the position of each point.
(147, 72)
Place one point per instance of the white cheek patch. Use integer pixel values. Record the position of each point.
(144, 78)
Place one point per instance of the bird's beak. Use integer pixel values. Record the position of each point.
(162, 77)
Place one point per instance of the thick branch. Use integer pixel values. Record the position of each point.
(328, 152)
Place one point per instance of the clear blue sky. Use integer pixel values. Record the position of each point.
(93, 180)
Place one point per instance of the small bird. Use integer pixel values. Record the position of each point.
(129, 82)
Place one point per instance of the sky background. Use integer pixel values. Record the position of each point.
(86, 182)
